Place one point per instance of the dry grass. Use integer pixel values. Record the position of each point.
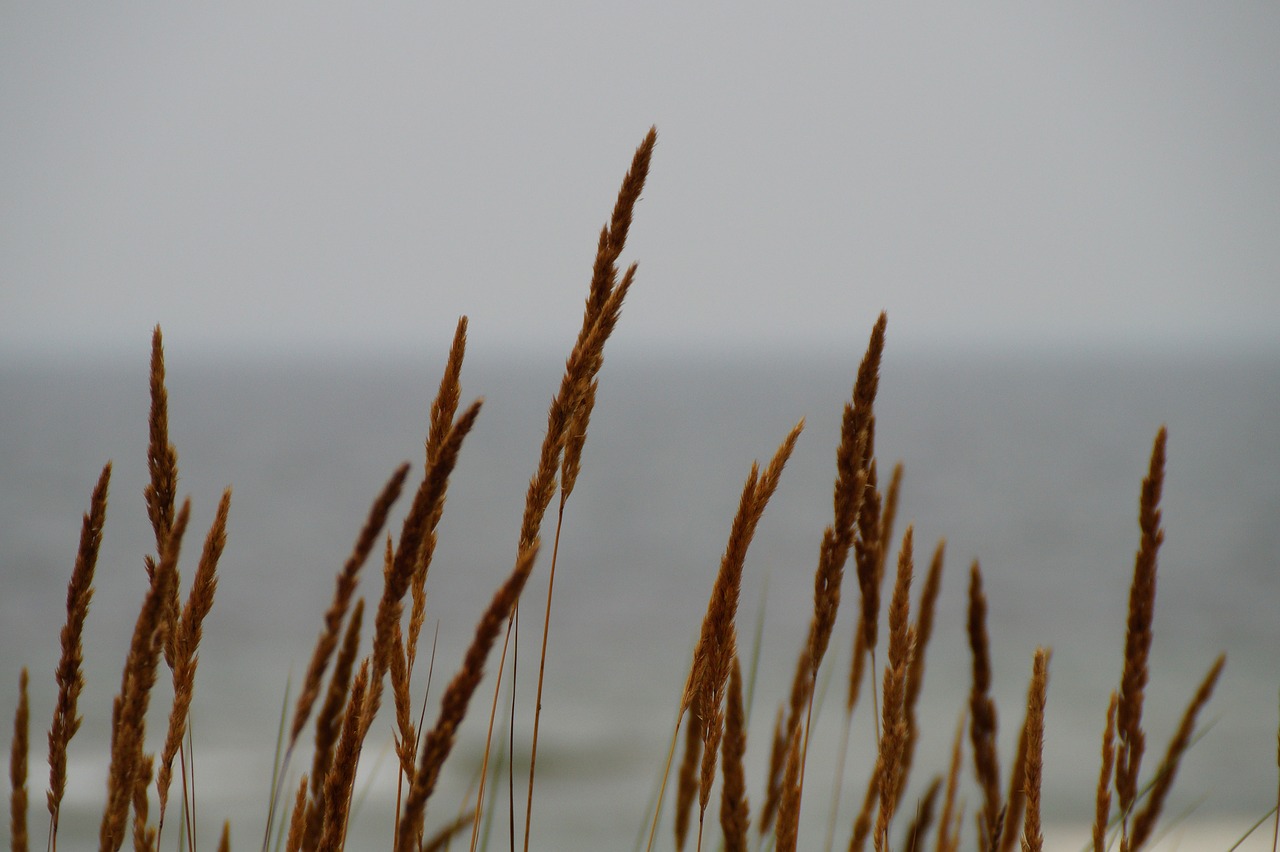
(342, 595)
(893, 729)
(199, 602)
(1145, 821)
(1137, 644)
(161, 494)
(70, 678)
(687, 778)
(717, 644)
(711, 703)
(982, 716)
(735, 814)
(1033, 736)
(341, 778)
(1102, 807)
(129, 713)
(923, 629)
(329, 725)
(457, 696)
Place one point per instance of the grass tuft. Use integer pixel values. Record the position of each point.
(710, 706)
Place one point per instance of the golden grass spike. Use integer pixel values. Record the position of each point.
(858, 419)
(1145, 821)
(868, 582)
(915, 671)
(453, 707)
(894, 726)
(867, 547)
(18, 768)
(1102, 799)
(162, 460)
(342, 774)
(735, 814)
(721, 609)
(613, 236)
(426, 502)
(789, 806)
(893, 733)
(857, 666)
(710, 753)
(1131, 741)
(852, 477)
(900, 633)
(709, 671)
(445, 406)
(161, 492)
(687, 777)
(717, 642)
(199, 602)
(580, 368)
(1032, 839)
(329, 724)
(443, 409)
(405, 736)
(570, 411)
(571, 466)
(629, 193)
(604, 276)
(982, 712)
(130, 711)
(345, 587)
(837, 540)
(947, 840)
(68, 674)
(867, 383)
(924, 623)
(224, 842)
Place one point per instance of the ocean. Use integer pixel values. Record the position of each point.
(1030, 464)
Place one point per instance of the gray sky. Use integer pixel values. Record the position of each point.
(283, 177)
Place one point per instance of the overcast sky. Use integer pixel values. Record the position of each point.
(286, 177)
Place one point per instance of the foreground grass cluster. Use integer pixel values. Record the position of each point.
(340, 694)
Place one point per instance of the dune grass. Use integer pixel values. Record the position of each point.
(341, 693)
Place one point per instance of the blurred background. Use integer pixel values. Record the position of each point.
(1069, 214)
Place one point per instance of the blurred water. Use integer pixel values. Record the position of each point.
(1031, 465)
